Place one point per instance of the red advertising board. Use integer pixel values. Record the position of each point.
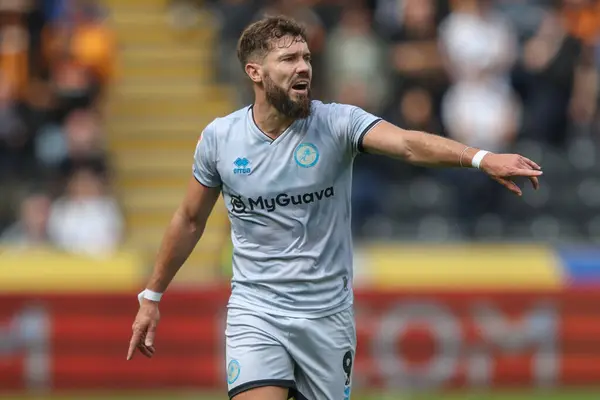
(422, 339)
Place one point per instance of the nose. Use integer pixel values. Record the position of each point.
(303, 68)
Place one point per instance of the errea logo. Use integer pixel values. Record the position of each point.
(241, 166)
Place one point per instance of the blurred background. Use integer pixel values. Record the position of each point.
(463, 290)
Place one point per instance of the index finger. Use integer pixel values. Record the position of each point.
(135, 340)
(526, 172)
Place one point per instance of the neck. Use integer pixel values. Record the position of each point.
(268, 119)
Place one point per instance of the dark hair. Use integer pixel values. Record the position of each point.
(259, 37)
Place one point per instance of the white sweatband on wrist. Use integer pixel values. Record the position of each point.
(476, 162)
(150, 295)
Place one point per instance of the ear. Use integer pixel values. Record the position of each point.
(254, 71)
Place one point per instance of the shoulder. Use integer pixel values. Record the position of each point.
(219, 126)
(331, 114)
(330, 109)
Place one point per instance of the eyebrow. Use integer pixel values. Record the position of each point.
(296, 54)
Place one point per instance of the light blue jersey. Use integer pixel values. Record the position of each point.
(288, 201)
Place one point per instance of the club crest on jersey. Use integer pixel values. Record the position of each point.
(241, 166)
(233, 371)
(306, 155)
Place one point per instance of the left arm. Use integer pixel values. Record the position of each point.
(416, 147)
(426, 149)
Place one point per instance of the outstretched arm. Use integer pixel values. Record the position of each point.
(426, 149)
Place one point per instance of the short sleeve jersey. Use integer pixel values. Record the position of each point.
(288, 201)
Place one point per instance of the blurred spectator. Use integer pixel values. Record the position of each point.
(78, 143)
(14, 45)
(482, 113)
(415, 56)
(476, 40)
(391, 16)
(233, 17)
(85, 144)
(451, 67)
(31, 227)
(415, 53)
(183, 14)
(546, 79)
(362, 81)
(347, 73)
(415, 110)
(524, 15)
(388, 17)
(13, 136)
(14, 51)
(301, 11)
(80, 53)
(584, 100)
(49, 119)
(86, 220)
(582, 19)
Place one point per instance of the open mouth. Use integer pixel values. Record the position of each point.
(300, 86)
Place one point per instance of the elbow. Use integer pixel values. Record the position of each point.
(190, 222)
(196, 227)
(409, 155)
(408, 149)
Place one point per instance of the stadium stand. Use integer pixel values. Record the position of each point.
(125, 95)
(164, 98)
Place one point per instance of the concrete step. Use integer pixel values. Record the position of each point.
(134, 90)
(170, 110)
(139, 89)
(133, 128)
(153, 219)
(164, 37)
(216, 230)
(140, 12)
(174, 55)
(151, 200)
(201, 72)
(135, 4)
(150, 239)
(149, 109)
(157, 127)
(165, 142)
(145, 201)
(138, 17)
(159, 180)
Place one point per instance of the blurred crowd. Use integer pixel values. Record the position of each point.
(504, 75)
(56, 61)
(490, 73)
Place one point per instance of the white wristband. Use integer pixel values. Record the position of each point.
(150, 295)
(478, 157)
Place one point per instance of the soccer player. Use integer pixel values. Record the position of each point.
(284, 167)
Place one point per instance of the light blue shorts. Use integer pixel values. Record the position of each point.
(311, 357)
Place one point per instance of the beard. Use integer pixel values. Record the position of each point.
(282, 101)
